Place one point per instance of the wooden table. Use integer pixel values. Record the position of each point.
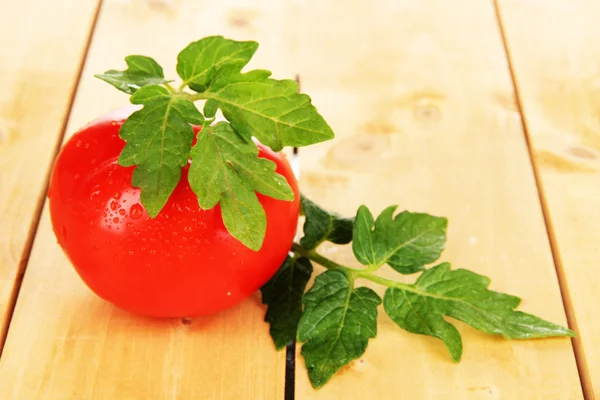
(485, 113)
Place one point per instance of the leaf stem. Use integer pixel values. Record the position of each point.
(169, 87)
(353, 272)
(373, 268)
(196, 96)
(365, 274)
(316, 257)
(207, 123)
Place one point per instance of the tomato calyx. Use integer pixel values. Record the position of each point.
(225, 169)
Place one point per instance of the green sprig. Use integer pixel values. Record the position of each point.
(338, 317)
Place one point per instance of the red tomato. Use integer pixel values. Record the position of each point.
(182, 263)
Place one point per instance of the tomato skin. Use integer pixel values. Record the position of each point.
(182, 263)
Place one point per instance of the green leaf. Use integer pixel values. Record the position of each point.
(321, 225)
(406, 242)
(243, 215)
(283, 296)
(189, 110)
(200, 61)
(463, 295)
(159, 138)
(271, 110)
(149, 93)
(141, 71)
(226, 168)
(337, 323)
(210, 108)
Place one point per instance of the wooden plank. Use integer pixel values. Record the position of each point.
(65, 343)
(421, 98)
(40, 59)
(557, 80)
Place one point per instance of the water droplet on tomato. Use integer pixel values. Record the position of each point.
(187, 228)
(117, 195)
(109, 227)
(136, 233)
(115, 220)
(130, 225)
(113, 205)
(136, 211)
(167, 241)
(152, 251)
(180, 256)
(174, 233)
(94, 194)
(78, 143)
(87, 146)
(122, 212)
(130, 252)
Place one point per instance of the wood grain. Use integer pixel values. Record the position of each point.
(551, 46)
(65, 343)
(40, 58)
(420, 97)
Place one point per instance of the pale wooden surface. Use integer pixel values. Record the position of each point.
(40, 57)
(424, 111)
(64, 342)
(557, 75)
(420, 97)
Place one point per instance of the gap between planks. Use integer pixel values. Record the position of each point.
(580, 358)
(290, 355)
(37, 213)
